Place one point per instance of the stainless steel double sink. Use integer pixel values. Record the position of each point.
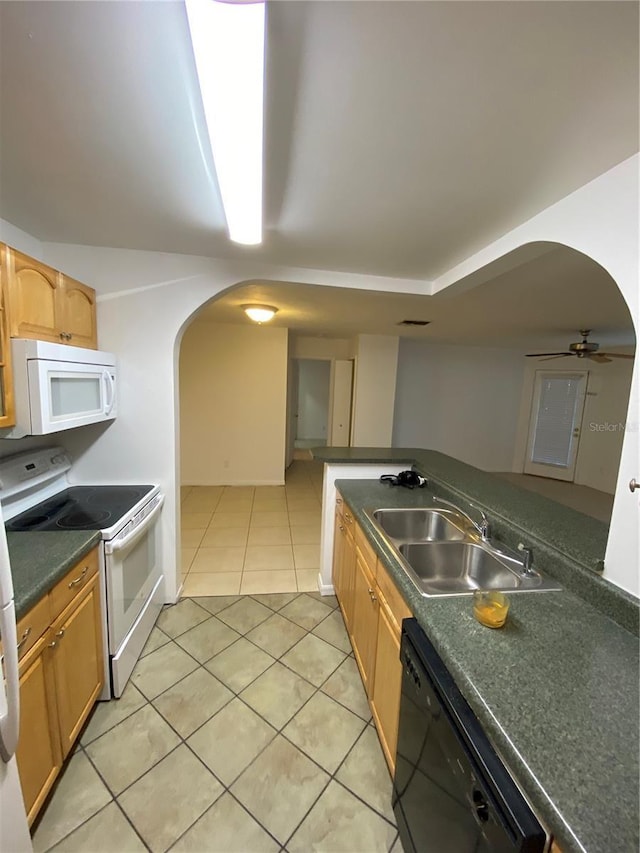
(442, 554)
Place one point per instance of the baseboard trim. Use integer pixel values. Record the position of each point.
(325, 588)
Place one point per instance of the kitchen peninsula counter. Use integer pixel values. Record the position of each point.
(556, 690)
(39, 559)
(572, 544)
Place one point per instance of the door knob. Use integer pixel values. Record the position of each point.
(633, 485)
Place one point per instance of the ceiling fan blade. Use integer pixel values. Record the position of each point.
(599, 357)
(540, 354)
(610, 355)
(551, 356)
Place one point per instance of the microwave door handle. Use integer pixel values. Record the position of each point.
(120, 544)
(112, 392)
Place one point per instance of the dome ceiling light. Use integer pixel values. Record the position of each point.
(260, 313)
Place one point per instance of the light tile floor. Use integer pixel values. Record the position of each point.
(244, 728)
(253, 539)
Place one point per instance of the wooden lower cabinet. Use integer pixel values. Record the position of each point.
(39, 755)
(61, 677)
(344, 566)
(364, 632)
(373, 611)
(77, 662)
(385, 700)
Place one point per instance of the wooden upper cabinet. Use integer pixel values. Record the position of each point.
(7, 406)
(78, 313)
(34, 299)
(47, 305)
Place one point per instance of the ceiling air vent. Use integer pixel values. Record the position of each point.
(414, 322)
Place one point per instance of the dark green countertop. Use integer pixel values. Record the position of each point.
(571, 544)
(40, 559)
(556, 691)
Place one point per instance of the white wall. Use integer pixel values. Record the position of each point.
(313, 398)
(603, 421)
(233, 382)
(463, 401)
(20, 240)
(153, 296)
(306, 346)
(374, 389)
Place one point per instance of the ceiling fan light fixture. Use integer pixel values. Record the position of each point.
(260, 313)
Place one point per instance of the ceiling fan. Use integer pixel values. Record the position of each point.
(582, 349)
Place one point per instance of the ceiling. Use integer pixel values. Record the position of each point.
(540, 304)
(400, 136)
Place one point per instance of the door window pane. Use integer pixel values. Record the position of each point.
(557, 409)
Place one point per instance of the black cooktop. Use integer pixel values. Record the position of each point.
(80, 508)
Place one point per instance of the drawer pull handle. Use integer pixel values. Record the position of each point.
(338, 500)
(348, 518)
(80, 578)
(341, 528)
(60, 633)
(53, 644)
(372, 595)
(23, 638)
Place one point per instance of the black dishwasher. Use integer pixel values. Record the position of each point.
(452, 794)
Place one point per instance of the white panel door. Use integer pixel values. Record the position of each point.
(341, 403)
(556, 421)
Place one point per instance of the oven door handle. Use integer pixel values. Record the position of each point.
(120, 544)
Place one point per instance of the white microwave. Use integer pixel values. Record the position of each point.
(60, 387)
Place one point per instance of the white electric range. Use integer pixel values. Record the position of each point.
(36, 496)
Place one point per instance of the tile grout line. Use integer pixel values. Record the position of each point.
(234, 694)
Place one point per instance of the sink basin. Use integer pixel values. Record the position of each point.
(425, 524)
(458, 568)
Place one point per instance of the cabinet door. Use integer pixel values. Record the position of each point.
(78, 314)
(339, 536)
(365, 623)
(385, 700)
(33, 295)
(348, 579)
(7, 406)
(77, 661)
(38, 755)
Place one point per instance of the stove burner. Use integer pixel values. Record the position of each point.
(30, 523)
(82, 508)
(80, 519)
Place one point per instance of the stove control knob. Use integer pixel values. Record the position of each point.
(58, 459)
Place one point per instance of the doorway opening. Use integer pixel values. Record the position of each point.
(313, 386)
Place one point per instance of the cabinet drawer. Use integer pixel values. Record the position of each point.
(74, 581)
(32, 626)
(395, 604)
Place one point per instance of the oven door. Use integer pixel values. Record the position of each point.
(132, 568)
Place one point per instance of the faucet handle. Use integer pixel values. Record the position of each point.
(527, 558)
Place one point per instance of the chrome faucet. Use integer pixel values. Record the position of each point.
(483, 527)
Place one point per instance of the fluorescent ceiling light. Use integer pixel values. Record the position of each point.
(260, 313)
(228, 46)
